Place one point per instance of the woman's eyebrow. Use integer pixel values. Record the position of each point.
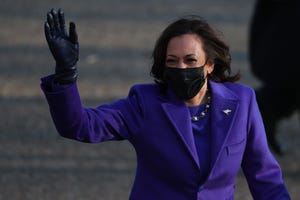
(172, 55)
(189, 55)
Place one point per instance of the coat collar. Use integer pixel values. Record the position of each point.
(224, 105)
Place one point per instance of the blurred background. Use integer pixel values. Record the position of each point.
(116, 39)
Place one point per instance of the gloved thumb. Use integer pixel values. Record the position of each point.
(73, 34)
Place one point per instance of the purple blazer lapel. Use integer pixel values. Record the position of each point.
(223, 111)
(224, 107)
(179, 117)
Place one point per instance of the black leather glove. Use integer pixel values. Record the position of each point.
(64, 47)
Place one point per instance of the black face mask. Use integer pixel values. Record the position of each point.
(185, 83)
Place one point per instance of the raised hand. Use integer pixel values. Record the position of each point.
(64, 47)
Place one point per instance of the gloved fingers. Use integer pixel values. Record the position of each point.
(61, 18)
(73, 34)
(48, 33)
(55, 20)
(50, 21)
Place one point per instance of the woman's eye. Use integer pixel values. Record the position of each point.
(170, 61)
(191, 60)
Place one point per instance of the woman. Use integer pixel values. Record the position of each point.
(192, 130)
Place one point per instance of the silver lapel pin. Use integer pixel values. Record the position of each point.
(227, 111)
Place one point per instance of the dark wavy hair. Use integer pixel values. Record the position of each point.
(217, 52)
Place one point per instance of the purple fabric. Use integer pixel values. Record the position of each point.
(202, 139)
(158, 125)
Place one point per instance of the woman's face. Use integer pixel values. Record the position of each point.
(186, 51)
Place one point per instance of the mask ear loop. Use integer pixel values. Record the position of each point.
(204, 66)
(206, 79)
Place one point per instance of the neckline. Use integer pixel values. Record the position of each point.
(199, 112)
(195, 110)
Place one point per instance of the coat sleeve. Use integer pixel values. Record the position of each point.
(115, 121)
(262, 171)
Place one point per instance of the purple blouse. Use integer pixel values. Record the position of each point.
(202, 137)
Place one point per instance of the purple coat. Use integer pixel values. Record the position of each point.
(158, 126)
